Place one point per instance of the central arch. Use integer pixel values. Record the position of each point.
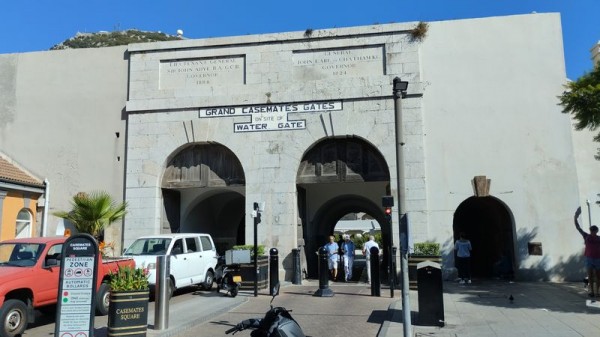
(338, 176)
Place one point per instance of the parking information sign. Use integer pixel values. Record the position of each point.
(77, 291)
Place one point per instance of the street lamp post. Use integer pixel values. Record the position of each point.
(256, 216)
(399, 91)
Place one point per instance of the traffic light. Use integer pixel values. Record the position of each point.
(388, 214)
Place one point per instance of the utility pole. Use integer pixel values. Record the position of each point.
(399, 92)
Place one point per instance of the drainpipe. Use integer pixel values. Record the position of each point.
(46, 206)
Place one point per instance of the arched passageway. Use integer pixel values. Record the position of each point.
(328, 216)
(338, 176)
(488, 224)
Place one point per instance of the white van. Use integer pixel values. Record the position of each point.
(193, 258)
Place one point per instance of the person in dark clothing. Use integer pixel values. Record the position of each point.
(592, 255)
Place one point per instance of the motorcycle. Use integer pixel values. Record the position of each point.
(225, 278)
(278, 322)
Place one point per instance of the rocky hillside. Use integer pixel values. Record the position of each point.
(109, 39)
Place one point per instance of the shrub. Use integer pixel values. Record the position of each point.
(260, 249)
(426, 248)
(127, 279)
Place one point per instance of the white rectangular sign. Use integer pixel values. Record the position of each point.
(270, 117)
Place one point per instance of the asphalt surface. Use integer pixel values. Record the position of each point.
(483, 308)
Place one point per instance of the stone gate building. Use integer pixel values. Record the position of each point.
(304, 123)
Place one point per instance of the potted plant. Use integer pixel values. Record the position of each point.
(128, 308)
(422, 251)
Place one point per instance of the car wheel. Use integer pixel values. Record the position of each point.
(14, 318)
(171, 289)
(208, 281)
(103, 299)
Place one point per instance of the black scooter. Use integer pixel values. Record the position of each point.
(226, 280)
(277, 323)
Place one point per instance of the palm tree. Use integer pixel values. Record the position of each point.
(93, 212)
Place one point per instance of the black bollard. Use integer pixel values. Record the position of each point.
(324, 290)
(297, 274)
(375, 279)
(392, 270)
(273, 269)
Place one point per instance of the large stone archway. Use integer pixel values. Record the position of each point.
(338, 176)
(203, 189)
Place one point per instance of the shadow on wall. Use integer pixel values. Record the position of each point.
(566, 268)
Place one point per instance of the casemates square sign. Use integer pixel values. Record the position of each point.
(270, 117)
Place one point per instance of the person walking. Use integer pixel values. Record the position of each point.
(367, 253)
(332, 257)
(348, 255)
(591, 254)
(463, 258)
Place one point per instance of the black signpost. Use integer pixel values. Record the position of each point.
(77, 287)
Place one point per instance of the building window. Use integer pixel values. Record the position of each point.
(23, 227)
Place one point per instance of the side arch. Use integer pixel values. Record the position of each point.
(203, 165)
(489, 224)
(203, 189)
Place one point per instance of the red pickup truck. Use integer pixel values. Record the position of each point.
(29, 280)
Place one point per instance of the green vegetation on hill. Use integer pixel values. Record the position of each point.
(109, 39)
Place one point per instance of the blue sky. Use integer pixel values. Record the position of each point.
(35, 25)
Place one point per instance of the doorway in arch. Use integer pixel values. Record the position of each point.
(488, 223)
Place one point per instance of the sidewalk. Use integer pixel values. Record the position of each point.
(478, 309)
(485, 309)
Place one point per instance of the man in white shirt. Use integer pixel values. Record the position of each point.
(332, 257)
(367, 253)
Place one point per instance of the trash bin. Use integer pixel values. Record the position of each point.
(431, 294)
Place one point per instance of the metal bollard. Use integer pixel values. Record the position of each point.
(161, 293)
(324, 290)
(395, 266)
(392, 271)
(297, 274)
(273, 270)
(375, 278)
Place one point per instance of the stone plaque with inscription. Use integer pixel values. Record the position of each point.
(333, 63)
(189, 73)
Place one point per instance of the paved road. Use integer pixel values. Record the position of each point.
(352, 311)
